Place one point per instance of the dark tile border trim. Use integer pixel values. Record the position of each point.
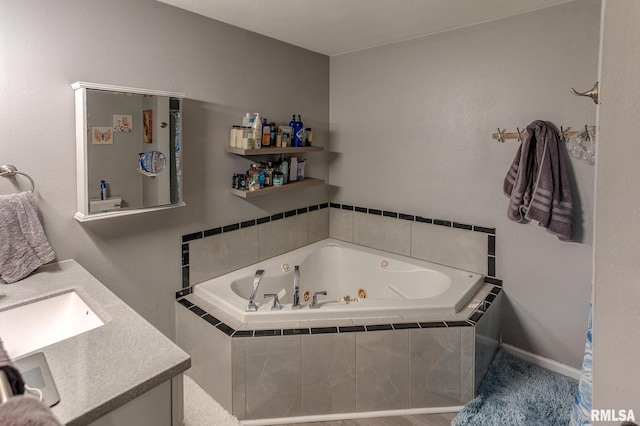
(234, 227)
(471, 321)
(185, 258)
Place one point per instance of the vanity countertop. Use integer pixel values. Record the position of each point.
(102, 369)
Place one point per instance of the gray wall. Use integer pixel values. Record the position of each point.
(411, 127)
(224, 71)
(616, 269)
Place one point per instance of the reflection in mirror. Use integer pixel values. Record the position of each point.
(152, 162)
(131, 141)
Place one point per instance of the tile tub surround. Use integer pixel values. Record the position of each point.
(339, 366)
(460, 245)
(210, 253)
(214, 252)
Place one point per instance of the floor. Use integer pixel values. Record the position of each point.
(414, 420)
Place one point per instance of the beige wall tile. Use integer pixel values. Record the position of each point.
(238, 378)
(487, 339)
(382, 370)
(435, 367)
(273, 377)
(281, 236)
(328, 373)
(318, 225)
(455, 247)
(384, 233)
(218, 254)
(341, 224)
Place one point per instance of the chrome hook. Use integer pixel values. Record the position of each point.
(587, 138)
(593, 93)
(563, 133)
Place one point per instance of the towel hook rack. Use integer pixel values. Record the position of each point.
(10, 171)
(593, 93)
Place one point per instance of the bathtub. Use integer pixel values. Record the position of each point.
(383, 285)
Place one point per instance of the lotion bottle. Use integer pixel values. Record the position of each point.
(257, 131)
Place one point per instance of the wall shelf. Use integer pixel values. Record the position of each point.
(268, 190)
(274, 150)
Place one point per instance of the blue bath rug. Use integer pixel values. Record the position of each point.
(515, 392)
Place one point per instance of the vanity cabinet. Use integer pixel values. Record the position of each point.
(272, 152)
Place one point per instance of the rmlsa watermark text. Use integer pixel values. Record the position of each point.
(611, 415)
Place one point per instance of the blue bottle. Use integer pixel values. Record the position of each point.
(299, 132)
(103, 190)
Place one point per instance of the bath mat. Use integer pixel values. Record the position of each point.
(202, 410)
(515, 392)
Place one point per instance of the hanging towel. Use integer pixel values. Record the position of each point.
(26, 411)
(538, 184)
(13, 375)
(23, 243)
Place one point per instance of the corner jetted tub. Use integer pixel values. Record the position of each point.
(383, 285)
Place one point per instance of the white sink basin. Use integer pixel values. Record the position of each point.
(38, 324)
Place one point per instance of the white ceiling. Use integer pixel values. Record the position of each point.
(334, 27)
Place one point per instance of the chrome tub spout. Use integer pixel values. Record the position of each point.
(296, 288)
(251, 307)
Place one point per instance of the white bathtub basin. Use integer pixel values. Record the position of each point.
(35, 325)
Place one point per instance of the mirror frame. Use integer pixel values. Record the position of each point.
(80, 89)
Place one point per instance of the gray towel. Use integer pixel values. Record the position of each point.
(23, 243)
(538, 184)
(26, 411)
(13, 375)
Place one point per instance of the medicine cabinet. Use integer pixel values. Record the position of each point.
(128, 150)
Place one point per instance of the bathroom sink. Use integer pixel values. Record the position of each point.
(35, 325)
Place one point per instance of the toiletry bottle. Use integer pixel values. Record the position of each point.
(248, 131)
(309, 136)
(257, 132)
(293, 167)
(299, 132)
(103, 190)
(245, 120)
(294, 130)
(284, 168)
(292, 123)
(301, 164)
(266, 133)
(273, 133)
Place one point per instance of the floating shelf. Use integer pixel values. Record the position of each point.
(274, 150)
(298, 184)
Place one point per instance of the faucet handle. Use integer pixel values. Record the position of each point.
(314, 301)
(276, 303)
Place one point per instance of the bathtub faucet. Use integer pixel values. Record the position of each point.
(251, 307)
(314, 301)
(296, 288)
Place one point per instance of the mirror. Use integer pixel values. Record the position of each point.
(130, 139)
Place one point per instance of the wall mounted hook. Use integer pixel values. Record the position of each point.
(587, 138)
(593, 93)
(520, 132)
(501, 135)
